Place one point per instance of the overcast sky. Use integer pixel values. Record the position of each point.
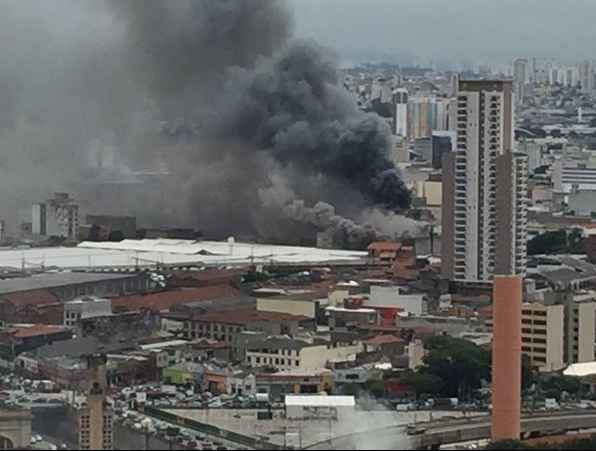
(490, 30)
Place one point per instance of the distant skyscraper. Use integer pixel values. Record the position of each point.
(485, 188)
(426, 114)
(442, 143)
(586, 76)
(56, 217)
(400, 103)
(453, 85)
(520, 78)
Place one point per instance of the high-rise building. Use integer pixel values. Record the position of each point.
(485, 188)
(426, 114)
(95, 419)
(442, 143)
(453, 84)
(520, 78)
(586, 76)
(56, 217)
(400, 104)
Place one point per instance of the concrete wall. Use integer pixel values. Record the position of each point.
(555, 359)
(586, 336)
(391, 297)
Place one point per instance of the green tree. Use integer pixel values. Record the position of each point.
(422, 383)
(376, 388)
(528, 375)
(351, 390)
(557, 242)
(548, 243)
(460, 364)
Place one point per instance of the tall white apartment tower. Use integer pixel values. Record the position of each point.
(484, 188)
(400, 104)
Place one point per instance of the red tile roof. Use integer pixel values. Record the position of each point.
(208, 277)
(33, 297)
(241, 317)
(35, 330)
(168, 299)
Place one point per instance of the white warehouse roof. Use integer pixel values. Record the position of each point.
(319, 401)
(581, 369)
(148, 252)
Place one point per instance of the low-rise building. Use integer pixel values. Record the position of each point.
(383, 252)
(304, 304)
(42, 296)
(287, 354)
(295, 382)
(19, 338)
(341, 318)
(391, 296)
(85, 307)
(223, 325)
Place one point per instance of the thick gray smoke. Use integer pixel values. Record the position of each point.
(243, 110)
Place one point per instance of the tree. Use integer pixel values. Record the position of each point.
(528, 376)
(351, 390)
(548, 243)
(423, 384)
(460, 364)
(376, 388)
(575, 242)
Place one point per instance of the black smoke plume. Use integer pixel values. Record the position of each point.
(252, 121)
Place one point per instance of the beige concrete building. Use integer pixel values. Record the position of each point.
(580, 328)
(431, 191)
(301, 304)
(543, 335)
(287, 354)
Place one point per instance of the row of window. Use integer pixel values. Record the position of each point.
(255, 361)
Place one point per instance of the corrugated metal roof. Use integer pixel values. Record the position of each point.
(54, 280)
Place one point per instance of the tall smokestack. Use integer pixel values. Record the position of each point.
(507, 344)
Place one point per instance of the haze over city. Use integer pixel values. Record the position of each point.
(297, 224)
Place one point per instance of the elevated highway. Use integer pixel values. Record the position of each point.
(433, 435)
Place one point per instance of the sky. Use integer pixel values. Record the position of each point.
(478, 30)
